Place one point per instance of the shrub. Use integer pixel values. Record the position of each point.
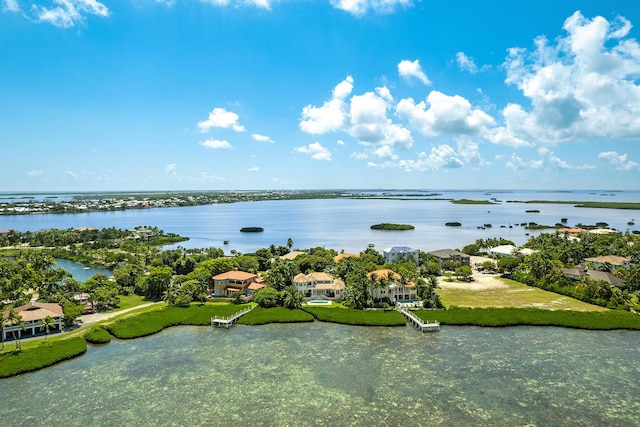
(267, 297)
(98, 335)
(182, 300)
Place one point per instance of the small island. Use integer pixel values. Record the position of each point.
(394, 227)
(453, 224)
(472, 202)
(251, 230)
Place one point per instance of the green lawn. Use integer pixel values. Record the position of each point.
(128, 301)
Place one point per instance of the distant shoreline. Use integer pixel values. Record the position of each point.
(27, 204)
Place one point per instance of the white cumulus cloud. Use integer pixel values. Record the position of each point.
(547, 160)
(620, 161)
(221, 118)
(465, 63)
(410, 70)
(582, 85)
(331, 116)
(441, 157)
(65, 13)
(262, 138)
(444, 114)
(170, 168)
(261, 4)
(215, 144)
(11, 6)
(361, 7)
(316, 150)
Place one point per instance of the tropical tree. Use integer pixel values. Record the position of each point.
(71, 311)
(281, 274)
(370, 255)
(508, 265)
(463, 272)
(357, 290)
(267, 297)
(169, 295)
(3, 322)
(289, 243)
(47, 323)
(156, 282)
(15, 319)
(292, 299)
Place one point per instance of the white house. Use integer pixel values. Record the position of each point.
(504, 251)
(401, 254)
(389, 284)
(319, 285)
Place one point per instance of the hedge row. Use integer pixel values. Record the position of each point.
(47, 354)
(151, 322)
(350, 316)
(601, 320)
(262, 316)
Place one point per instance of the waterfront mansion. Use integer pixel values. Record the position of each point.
(389, 284)
(319, 285)
(236, 280)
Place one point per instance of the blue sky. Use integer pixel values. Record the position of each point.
(316, 94)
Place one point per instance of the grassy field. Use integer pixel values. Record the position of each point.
(128, 301)
(507, 293)
(607, 320)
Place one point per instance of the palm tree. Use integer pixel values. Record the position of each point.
(289, 243)
(47, 323)
(3, 322)
(292, 298)
(16, 320)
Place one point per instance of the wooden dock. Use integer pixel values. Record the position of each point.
(428, 326)
(229, 321)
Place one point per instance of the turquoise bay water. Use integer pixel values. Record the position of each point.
(80, 271)
(335, 375)
(345, 223)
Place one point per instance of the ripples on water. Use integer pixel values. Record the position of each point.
(325, 374)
